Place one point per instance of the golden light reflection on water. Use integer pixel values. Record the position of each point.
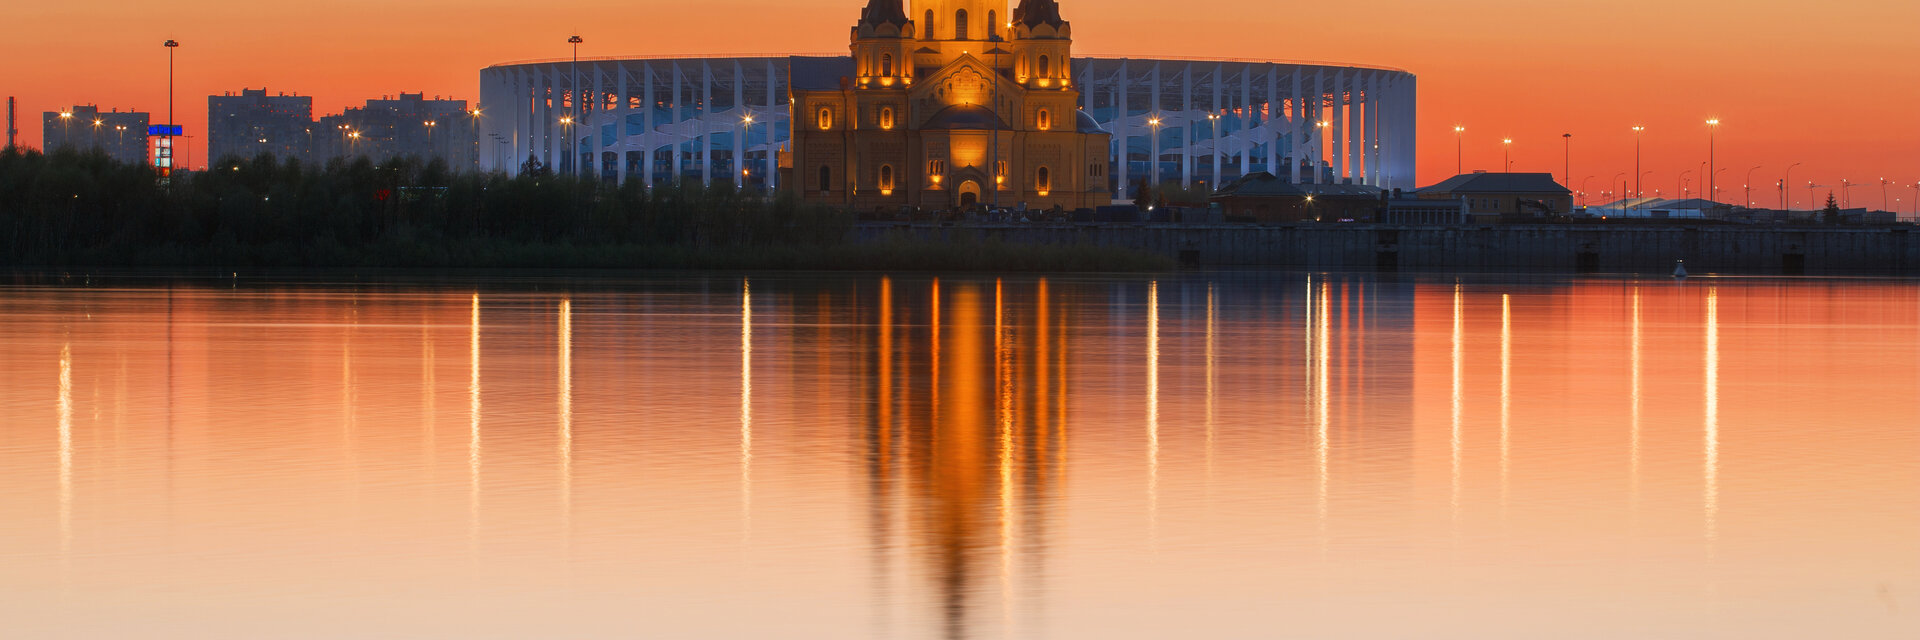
(905, 457)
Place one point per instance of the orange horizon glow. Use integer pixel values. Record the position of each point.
(1830, 89)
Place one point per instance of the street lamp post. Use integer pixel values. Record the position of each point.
(1583, 190)
(1884, 203)
(166, 136)
(573, 101)
(746, 145)
(1846, 193)
(430, 124)
(1567, 142)
(94, 138)
(1459, 151)
(1638, 133)
(1785, 183)
(1680, 185)
(66, 133)
(1507, 145)
(1713, 125)
(1749, 185)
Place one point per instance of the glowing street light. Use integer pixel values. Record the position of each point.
(1508, 145)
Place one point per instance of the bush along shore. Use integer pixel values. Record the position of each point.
(69, 209)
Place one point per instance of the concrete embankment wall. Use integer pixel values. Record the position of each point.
(1722, 249)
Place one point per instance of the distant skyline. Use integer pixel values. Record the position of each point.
(1832, 87)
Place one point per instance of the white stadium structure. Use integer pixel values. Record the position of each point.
(1173, 121)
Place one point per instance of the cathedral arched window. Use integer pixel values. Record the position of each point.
(993, 25)
(960, 24)
(1045, 120)
(826, 119)
(886, 178)
(826, 178)
(886, 118)
(1043, 179)
(1046, 67)
(886, 64)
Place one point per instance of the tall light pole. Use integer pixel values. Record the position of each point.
(1884, 203)
(66, 133)
(746, 123)
(1846, 193)
(95, 137)
(1680, 184)
(1459, 151)
(1583, 190)
(1786, 182)
(573, 102)
(1619, 179)
(1507, 144)
(1749, 185)
(430, 124)
(1638, 133)
(166, 136)
(473, 129)
(1567, 140)
(1713, 125)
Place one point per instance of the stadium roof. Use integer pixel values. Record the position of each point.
(1499, 183)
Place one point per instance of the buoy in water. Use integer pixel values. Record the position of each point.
(1679, 268)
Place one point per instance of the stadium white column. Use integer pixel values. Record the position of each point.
(1373, 131)
(1186, 127)
(772, 120)
(1296, 145)
(1123, 125)
(1247, 118)
(707, 117)
(673, 124)
(622, 145)
(740, 136)
(646, 124)
(1272, 125)
(1338, 133)
(1356, 127)
(1213, 123)
(1153, 166)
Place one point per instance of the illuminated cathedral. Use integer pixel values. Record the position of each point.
(963, 107)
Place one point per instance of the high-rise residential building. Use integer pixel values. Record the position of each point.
(254, 123)
(401, 126)
(121, 134)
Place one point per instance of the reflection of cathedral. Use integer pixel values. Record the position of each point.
(953, 110)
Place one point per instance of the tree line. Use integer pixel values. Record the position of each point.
(84, 208)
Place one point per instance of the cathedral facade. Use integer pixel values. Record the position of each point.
(955, 106)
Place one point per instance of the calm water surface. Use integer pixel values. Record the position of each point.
(1229, 455)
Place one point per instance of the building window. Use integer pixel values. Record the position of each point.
(826, 178)
(1043, 179)
(960, 24)
(826, 119)
(993, 27)
(936, 170)
(886, 118)
(886, 179)
(927, 28)
(1096, 170)
(1046, 67)
(1046, 120)
(886, 64)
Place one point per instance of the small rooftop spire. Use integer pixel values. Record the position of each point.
(1034, 13)
(880, 12)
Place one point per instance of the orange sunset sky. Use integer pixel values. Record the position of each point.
(1832, 85)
